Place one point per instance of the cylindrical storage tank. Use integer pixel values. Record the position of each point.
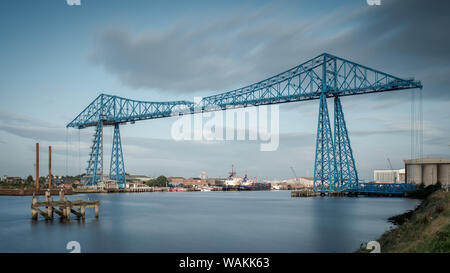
(429, 174)
(414, 174)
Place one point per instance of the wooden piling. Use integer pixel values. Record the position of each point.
(304, 193)
(34, 213)
(77, 213)
(50, 208)
(61, 195)
(68, 211)
(63, 207)
(59, 211)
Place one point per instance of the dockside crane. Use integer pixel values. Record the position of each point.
(295, 174)
(392, 169)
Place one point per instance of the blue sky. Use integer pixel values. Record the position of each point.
(57, 58)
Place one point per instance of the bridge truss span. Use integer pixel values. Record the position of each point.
(325, 76)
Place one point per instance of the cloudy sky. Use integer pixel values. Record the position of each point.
(56, 58)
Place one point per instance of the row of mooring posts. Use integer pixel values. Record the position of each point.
(63, 207)
(304, 193)
(312, 193)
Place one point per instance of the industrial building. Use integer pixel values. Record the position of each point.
(389, 176)
(428, 171)
(193, 181)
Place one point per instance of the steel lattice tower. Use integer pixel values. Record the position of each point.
(117, 167)
(346, 173)
(324, 174)
(94, 171)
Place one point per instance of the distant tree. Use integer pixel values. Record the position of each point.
(30, 179)
(161, 181)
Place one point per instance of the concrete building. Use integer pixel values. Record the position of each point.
(304, 181)
(138, 178)
(389, 176)
(192, 182)
(14, 179)
(428, 171)
(202, 175)
(136, 185)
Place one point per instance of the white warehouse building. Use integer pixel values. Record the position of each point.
(389, 176)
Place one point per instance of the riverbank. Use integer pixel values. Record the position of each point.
(31, 192)
(423, 230)
(82, 190)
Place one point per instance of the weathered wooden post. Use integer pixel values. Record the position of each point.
(61, 195)
(68, 208)
(34, 212)
(50, 208)
(96, 211)
(83, 212)
(47, 195)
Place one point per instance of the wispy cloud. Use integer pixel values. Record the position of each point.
(245, 47)
(32, 128)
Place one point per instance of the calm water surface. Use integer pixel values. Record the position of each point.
(204, 222)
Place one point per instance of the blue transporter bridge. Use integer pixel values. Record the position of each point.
(321, 78)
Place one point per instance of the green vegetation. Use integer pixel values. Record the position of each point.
(42, 180)
(30, 179)
(424, 230)
(440, 243)
(161, 181)
(423, 192)
(30, 183)
(18, 183)
(70, 177)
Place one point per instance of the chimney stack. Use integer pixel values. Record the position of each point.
(49, 167)
(37, 166)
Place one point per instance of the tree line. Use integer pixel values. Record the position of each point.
(160, 181)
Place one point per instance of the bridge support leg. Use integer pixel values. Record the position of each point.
(94, 171)
(117, 167)
(346, 173)
(325, 159)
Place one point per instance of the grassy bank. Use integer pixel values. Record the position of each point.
(424, 230)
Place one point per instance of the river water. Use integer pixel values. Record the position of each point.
(259, 221)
